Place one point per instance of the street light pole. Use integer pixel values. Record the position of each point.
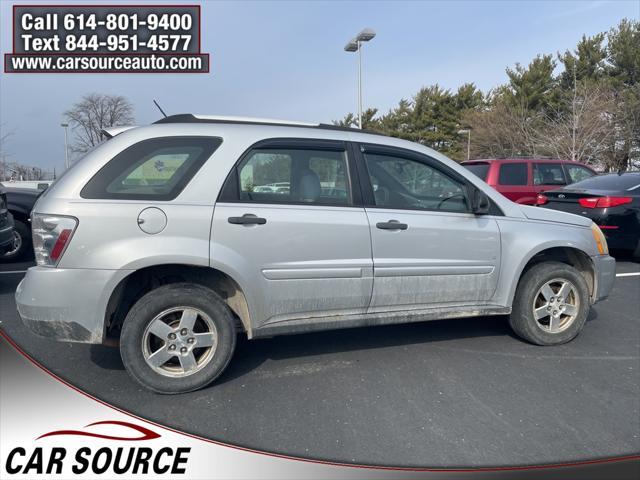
(469, 144)
(66, 145)
(355, 45)
(359, 85)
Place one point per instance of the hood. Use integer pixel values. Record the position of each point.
(548, 215)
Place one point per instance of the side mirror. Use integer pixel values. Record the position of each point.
(480, 203)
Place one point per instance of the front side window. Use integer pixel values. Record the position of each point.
(295, 176)
(577, 173)
(548, 174)
(513, 174)
(409, 184)
(154, 169)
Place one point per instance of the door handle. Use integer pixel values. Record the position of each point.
(392, 225)
(247, 219)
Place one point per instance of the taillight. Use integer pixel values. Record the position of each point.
(604, 202)
(541, 199)
(51, 235)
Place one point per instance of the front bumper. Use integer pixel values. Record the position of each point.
(67, 304)
(605, 273)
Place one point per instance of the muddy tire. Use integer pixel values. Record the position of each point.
(177, 338)
(551, 304)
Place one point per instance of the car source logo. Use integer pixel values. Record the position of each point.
(121, 457)
(562, 195)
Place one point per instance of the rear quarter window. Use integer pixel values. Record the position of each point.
(480, 170)
(154, 169)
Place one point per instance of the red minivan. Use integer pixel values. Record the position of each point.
(521, 180)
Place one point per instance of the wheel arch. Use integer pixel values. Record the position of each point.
(139, 282)
(568, 254)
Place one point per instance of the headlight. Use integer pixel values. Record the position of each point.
(600, 239)
(51, 235)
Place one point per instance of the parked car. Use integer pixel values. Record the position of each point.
(175, 266)
(20, 201)
(30, 184)
(6, 223)
(612, 201)
(521, 180)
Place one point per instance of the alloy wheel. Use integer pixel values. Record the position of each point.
(179, 341)
(556, 305)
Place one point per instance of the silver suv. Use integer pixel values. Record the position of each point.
(173, 237)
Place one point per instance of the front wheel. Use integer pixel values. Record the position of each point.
(177, 338)
(551, 304)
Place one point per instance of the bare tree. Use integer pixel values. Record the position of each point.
(4, 164)
(624, 148)
(92, 114)
(580, 129)
(503, 131)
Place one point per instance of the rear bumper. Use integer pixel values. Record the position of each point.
(605, 273)
(67, 304)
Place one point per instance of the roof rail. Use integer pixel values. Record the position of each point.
(190, 118)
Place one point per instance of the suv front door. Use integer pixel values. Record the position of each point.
(548, 176)
(290, 225)
(428, 248)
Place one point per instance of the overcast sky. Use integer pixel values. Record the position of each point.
(286, 60)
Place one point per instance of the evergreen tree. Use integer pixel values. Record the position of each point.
(624, 52)
(532, 87)
(586, 62)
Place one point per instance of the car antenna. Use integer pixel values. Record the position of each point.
(160, 108)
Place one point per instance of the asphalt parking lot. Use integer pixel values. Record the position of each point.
(443, 393)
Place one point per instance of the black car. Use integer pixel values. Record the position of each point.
(20, 202)
(612, 201)
(6, 224)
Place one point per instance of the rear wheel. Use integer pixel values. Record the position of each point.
(551, 304)
(21, 243)
(177, 338)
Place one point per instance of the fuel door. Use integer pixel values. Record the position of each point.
(152, 220)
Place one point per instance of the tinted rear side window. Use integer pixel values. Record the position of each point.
(154, 169)
(513, 174)
(478, 169)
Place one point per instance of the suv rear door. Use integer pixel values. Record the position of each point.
(290, 224)
(428, 249)
(514, 182)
